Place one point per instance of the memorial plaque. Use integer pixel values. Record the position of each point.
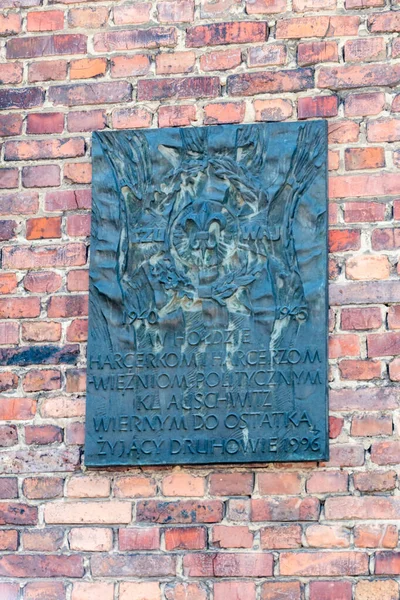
(208, 296)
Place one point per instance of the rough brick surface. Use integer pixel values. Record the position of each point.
(293, 532)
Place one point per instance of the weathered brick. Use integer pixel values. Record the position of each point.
(232, 536)
(42, 380)
(224, 112)
(370, 103)
(139, 538)
(331, 590)
(42, 281)
(78, 281)
(348, 77)
(68, 200)
(375, 481)
(132, 14)
(154, 37)
(312, 53)
(43, 434)
(49, 20)
(43, 227)
(376, 536)
(90, 93)
(324, 564)
(19, 308)
(183, 484)
(15, 565)
(285, 509)
(279, 483)
(221, 60)
(168, 63)
(176, 116)
(171, 12)
(47, 70)
(184, 511)
(8, 381)
(365, 50)
(290, 80)
(216, 34)
(10, 72)
(49, 590)
(133, 565)
(257, 7)
(228, 565)
(131, 118)
(387, 563)
(231, 484)
(317, 27)
(35, 149)
(10, 24)
(43, 540)
(90, 539)
(288, 590)
(10, 124)
(112, 512)
(182, 591)
(41, 176)
(8, 283)
(44, 256)
(8, 436)
(188, 87)
(130, 66)
(185, 538)
(273, 110)
(47, 45)
(276, 537)
(78, 172)
(320, 106)
(89, 18)
(236, 590)
(8, 229)
(21, 97)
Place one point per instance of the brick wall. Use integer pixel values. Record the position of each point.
(287, 532)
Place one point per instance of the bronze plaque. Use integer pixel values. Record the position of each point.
(208, 296)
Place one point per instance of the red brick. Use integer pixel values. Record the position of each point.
(132, 39)
(87, 68)
(362, 399)
(8, 436)
(41, 176)
(189, 87)
(383, 344)
(43, 227)
(78, 172)
(176, 116)
(224, 112)
(8, 332)
(280, 536)
(14, 565)
(7, 230)
(232, 536)
(8, 488)
(19, 308)
(10, 124)
(78, 225)
(75, 433)
(365, 50)
(362, 507)
(75, 381)
(364, 212)
(49, 590)
(324, 26)
(10, 72)
(133, 565)
(342, 132)
(42, 380)
(44, 256)
(49, 20)
(139, 538)
(42, 281)
(221, 60)
(132, 14)
(341, 345)
(123, 66)
(90, 93)
(359, 105)
(43, 540)
(312, 53)
(131, 118)
(183, 484)
(384, 130)
(228, 565)
(325, 482)
(231, 484)
(320, 106)
(17, 514)
(328, 564)
(8, 541)
(172, 12)
(10, 23)
(48, 70)
(385, 239)
(185, 538)
(384, 590)
(327, 536)
(135, 487)
(290, 80)
(184, 511)
(8, 283)
(376, 536)
(331, 590)
(348, 77)
(47, 45)
(88, 486)
(375, 481)
(21, 98)
(257, 7)
(354, 4)
(141, 590)
(380, 184)
(215, 34)
(78, 281)
(234, 590)
(8, 381)
(345, 455)
(271, 54)
(90, 120)
(394, 370)
(364, 158)
(288, 590)
(371, 426)
(361, 318)
(42, 487)
(279, 483)
(285, 509)
(67, 306)
(35, 149)
(16, 409)
(77, 331)
(387, 563)
(384, 22)
(273, 110)
(360, 370)
(43, 434)
(385, 453)
(88, 18)
(68, 200)
(168, 63)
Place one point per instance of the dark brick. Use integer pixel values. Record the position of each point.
(215, 34)
(154, 37)
(39, 355)
(21, 98)
(247, 84)
(46, 45)
(188, 87)
(91, 93)
(17, 514)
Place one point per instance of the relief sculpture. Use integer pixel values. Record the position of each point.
(207, 325)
